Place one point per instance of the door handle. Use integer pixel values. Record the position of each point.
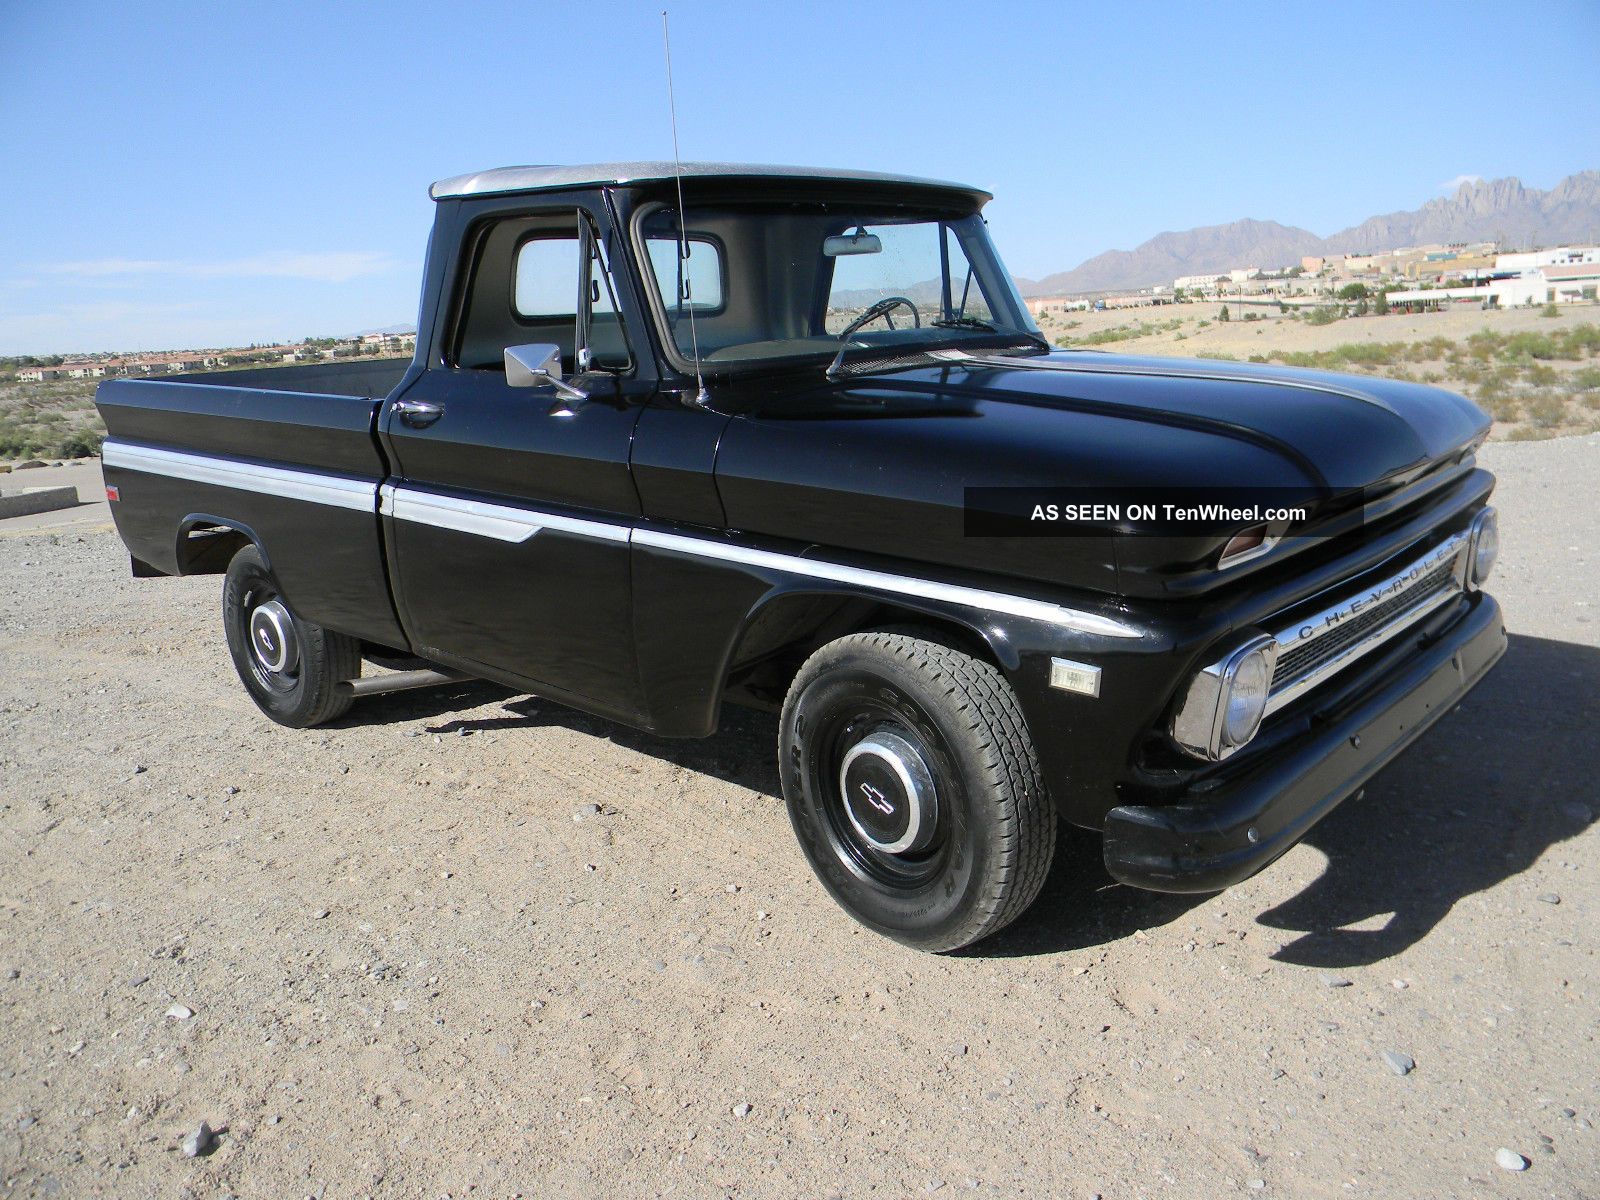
(418, 414)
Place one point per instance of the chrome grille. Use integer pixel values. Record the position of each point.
(1324, 642)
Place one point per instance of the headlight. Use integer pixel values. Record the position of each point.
(1485, 547)
(1223, 707)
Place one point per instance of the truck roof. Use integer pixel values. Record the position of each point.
(503, 180)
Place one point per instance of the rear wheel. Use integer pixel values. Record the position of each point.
(914, 788)
(291, 667)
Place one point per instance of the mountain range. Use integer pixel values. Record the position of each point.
(1500, 210)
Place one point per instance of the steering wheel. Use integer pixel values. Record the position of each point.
(882, 309)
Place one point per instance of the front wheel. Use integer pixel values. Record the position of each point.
(914, 788)
(291, 667)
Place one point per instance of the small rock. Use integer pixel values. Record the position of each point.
(732, 887)
(1257, 1184)
(957, 1049)
(231, 790)
(13, 973)
(199, 1141)
(1577, 811)
(321, 914)
(139, 768)
(1335, 981)
(1400, 1064)
(741, 1110)
(138, 981)
(587, 811)
(27, 1122)
(1509, 1160)
(180, 1012)
(1400, 985)
(1549, 898)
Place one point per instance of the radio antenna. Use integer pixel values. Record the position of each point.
(685, 295)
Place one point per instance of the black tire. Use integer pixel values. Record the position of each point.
(953, 726)
(304, 690)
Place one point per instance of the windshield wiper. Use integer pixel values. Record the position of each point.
(964, 323)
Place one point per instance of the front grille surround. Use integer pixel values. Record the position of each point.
(1322, 643)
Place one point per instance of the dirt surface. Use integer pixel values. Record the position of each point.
(469, 943)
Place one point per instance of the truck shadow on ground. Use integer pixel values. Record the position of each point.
(1512, 772)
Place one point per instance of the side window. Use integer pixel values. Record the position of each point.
(527, 277)
(547, 277)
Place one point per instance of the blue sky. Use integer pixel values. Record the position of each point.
(180, 175)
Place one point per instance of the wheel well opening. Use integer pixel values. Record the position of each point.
(788, 631)
(207, 549)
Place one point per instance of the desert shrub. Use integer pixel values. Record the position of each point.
(1546, 409)
(1326, 314)
(1530, 345)
(1578, 342)
(1549, 310)
(82, 444)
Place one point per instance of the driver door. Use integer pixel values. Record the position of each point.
(511, 508)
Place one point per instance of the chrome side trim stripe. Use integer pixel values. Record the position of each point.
(927, 589)
(502, 522)
(508, 524)
(340, 491)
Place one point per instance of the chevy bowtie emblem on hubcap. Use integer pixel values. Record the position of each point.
(877, 799)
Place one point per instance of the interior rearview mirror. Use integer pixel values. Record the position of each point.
(859, 242)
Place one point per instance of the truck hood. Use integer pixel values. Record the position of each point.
(880, 463)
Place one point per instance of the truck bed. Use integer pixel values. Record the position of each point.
(365, 378)
(287, 456)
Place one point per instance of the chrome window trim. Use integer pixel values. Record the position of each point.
(339, 491)
(1329, 619)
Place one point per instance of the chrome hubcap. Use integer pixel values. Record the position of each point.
(272, 639)
(888, 793)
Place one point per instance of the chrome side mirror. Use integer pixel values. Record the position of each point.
(538, 365)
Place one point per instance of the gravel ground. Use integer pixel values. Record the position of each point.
(470, 943)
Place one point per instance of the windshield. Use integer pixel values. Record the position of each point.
(756, 283)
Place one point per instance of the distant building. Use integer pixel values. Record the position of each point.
(1312, 264)
(1560, 256)
(1576, 283)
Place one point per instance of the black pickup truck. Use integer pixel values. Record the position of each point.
(681, 436)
